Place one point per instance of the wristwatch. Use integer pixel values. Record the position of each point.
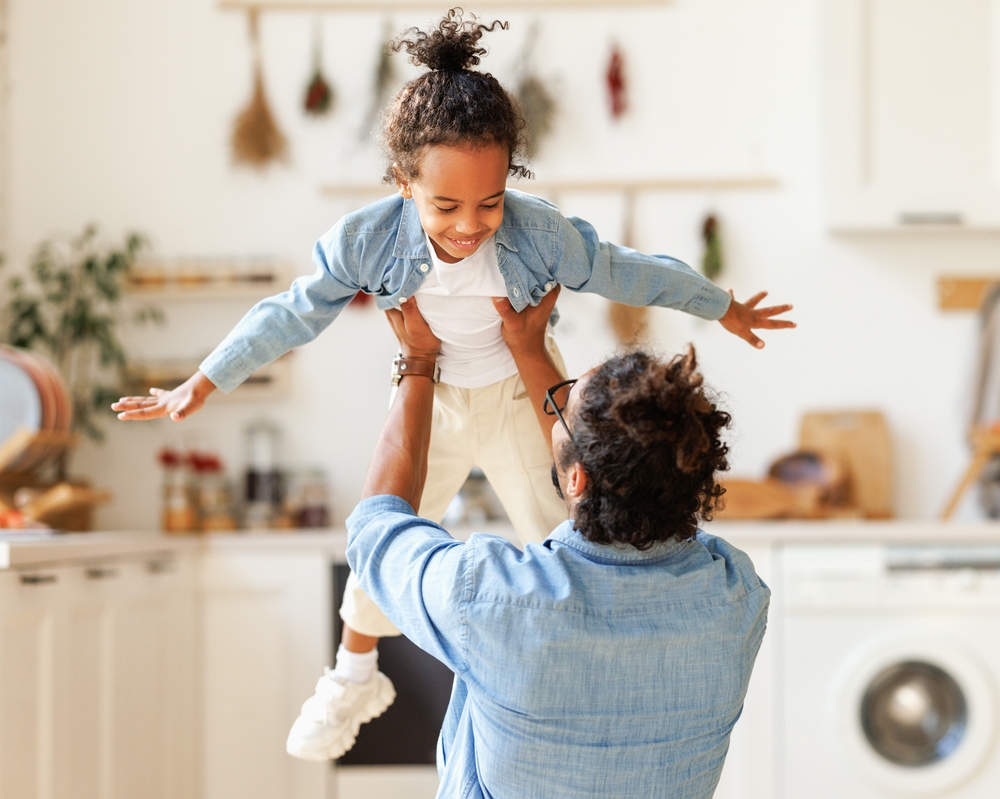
(401, 367)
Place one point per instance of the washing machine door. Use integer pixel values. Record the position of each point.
(914, 713)
(917, 714)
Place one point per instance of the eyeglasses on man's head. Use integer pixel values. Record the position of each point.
(556, 399)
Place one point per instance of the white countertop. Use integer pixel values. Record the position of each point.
(26, 550)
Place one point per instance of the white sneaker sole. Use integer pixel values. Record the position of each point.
(330, 750)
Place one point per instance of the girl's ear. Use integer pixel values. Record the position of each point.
(402, 184)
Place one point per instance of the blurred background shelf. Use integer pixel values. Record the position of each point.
(543, 187)
(207, 279)
(418, 5)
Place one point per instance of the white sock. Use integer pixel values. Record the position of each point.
(355, 666)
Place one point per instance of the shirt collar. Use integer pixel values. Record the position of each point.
(410, 239)
(566, 534)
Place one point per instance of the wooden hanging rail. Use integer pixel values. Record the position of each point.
(421, 5)
(559, 187)
(963, 293)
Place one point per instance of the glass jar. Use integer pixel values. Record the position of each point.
(179, 510)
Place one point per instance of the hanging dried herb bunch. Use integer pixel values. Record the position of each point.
(617, 85)
(319, 93)
(538, 105)
(256, 138)
(384, 80)
(711, 259)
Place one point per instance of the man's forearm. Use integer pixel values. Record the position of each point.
(399, 462)
(538, 374)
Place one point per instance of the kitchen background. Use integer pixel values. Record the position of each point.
(119, 112)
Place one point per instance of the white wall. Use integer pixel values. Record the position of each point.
(121, 111)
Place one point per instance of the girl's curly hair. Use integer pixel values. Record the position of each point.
(452, 103)
(648, 436)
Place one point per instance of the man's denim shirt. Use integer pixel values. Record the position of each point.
(581, 670)
(381, 249)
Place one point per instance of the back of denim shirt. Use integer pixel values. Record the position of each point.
(582, 670)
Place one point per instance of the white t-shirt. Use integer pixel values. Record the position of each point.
(456, 300)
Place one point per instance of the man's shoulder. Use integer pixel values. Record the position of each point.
(737, 561)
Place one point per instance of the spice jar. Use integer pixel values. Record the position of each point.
(179, 511)
(214, 498)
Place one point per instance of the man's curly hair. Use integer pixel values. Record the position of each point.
(648, 436)
(451, 104)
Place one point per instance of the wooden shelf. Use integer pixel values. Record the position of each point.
(425, 5)
(206, 279)
(750, 182)
(270, 382)
(957, 293)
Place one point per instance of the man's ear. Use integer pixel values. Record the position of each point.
(402, 184)
(577, 481)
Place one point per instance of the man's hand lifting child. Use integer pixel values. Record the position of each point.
(178, 404)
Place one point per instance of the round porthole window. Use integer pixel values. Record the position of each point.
(914, 714)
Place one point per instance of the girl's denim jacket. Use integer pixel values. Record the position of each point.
(382, 250)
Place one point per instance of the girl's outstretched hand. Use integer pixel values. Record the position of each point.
(526, 329)
(742, 318)
(178, 404)
(416, 339)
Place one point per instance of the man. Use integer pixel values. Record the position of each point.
(611, 660)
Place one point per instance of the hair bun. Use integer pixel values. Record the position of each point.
(453, 46)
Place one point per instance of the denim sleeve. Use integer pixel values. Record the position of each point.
(414, 571)
(585, 263)
(288, 320)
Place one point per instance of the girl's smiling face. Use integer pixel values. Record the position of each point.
(459, 196)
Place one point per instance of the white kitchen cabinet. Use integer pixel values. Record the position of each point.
(912, 129)
(266, 636)
(97, 681)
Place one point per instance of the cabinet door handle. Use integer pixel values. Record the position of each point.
(98, 573)
(159, 566)
(38, 579)
(930, 218)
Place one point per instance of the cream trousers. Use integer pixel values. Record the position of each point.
(494, 428)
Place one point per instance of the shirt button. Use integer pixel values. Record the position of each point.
(516, 293)
(424, 267)
(402, 299)
(549, 285)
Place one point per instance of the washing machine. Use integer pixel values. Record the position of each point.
(889, 672)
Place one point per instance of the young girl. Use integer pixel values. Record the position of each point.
(452, 238)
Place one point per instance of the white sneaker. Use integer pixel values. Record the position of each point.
(330, 719)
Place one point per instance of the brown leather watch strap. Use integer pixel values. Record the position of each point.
(403, 367)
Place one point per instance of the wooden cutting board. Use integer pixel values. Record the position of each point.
(861, 440)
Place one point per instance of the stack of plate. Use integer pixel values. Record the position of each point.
(33, 399)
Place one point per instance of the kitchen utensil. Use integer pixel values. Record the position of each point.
(860, 439)
(20, 400)
(985, 444)
(757, 499)
(825, 474)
